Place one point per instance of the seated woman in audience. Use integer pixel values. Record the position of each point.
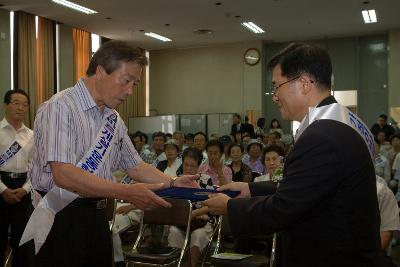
(199, 237)
(238, 137)
(171, 166)
(273, 160)
(226, 141)
(216, 172)
(240, 171)
(385, 146)
(395, 142)
(382, 166)
(259, 130)
(275, 126)
(254, 149)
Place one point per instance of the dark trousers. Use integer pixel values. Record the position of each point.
(16, 216)
(80, 236)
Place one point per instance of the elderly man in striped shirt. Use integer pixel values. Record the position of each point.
(79, 142)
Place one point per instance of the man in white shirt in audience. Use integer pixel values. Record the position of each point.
(16, 143)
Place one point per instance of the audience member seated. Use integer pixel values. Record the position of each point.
(260, 129)
(389, 213)
(382, 166)
(214, 136)
(215, 172)
(238, 138)
(269, 139)
(245, 139)
(226, 141)
(201, 234)
(385, 145)
(168, 136)
(240, 171)
(172, 165)
(139, 141)
(395, 142)
(275, 126)
(381, 125)
(180, 139)
(254, 150)
(189, 140)
(396, 167)
(157, 153)
(260, 138)
(272, 158)
(199, 142)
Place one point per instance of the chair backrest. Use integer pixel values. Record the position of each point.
(178, 215)
(225, 227)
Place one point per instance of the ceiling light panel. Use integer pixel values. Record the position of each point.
(252, 27)
(157, 36)
(369, 16)
(75, 6)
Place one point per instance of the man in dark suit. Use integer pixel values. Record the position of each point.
(325, 208)
(239, 127)
(382, 126)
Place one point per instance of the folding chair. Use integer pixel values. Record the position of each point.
(252, 261)
(178, 215)
(8, 257)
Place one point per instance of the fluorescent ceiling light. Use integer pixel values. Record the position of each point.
(369, 16)
(157, 36)
(252, 27)
(75, 6)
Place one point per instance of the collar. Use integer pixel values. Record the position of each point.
(326, 101)
(4, 123)
(86, 99)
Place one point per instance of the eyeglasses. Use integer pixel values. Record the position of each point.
(274, 88)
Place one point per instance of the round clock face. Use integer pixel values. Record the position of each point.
(252, 56)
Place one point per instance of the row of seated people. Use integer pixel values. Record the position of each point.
(269, 167)
(387, 159)
(213, 173)
(250, 152)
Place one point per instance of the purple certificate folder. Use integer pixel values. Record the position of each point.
(192, 194)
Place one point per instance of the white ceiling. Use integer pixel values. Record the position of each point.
(283, 20)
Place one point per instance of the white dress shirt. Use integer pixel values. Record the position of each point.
(19, 163)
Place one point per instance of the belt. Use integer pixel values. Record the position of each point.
(98, 203)
(17, 175)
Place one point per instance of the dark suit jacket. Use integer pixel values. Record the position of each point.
(244, 127)
(325, 208)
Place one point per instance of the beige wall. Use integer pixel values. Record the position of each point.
(5, 57)
(394, 74)
(205, 80)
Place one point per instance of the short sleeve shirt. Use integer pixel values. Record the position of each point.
(66, 127)
(213, 176)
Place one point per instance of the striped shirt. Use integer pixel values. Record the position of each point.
(65, 128)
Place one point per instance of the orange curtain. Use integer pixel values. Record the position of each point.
(45, 60)
(81, 40)
(253, 116)
(26, 59)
